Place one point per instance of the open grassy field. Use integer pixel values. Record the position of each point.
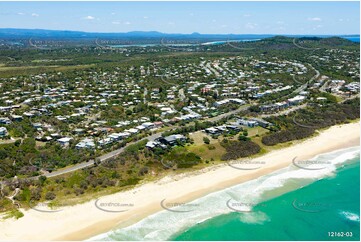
(256, 131)
(208, 152)
(9, 71)
(212, 151)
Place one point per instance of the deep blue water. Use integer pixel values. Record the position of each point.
(353, 39)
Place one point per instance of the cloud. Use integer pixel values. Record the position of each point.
(280, 22)
(115, 22)
(317, 27)
(35, 15)
(314, 19)
(89, 18)
(21, 13)
(250, 25)
(145, 17)
(127, 23)
(246, 15)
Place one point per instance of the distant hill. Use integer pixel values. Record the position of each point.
(65, 34)
(42, 33)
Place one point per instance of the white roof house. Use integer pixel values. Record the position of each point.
(86, 143)
(296, 99)
(132, 131)
(140, 127)
(151, 144)
(3, 131)
(65, 140)
(148, 125)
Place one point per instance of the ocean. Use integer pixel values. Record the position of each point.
(289, 204)
(353, 39)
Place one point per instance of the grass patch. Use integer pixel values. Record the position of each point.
(14, 213)
(9, 71)
(208, 152)
(256, 131)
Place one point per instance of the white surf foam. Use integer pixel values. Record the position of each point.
(350, 216)
(164, 224)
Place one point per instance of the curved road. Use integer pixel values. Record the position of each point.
(301, 47)
(153, 137)
(120, 150)
(101, 158)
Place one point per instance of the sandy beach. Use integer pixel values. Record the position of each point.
(91, 218)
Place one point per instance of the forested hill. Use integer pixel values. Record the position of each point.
(14, 33)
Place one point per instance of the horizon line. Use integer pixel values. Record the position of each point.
(193, 33)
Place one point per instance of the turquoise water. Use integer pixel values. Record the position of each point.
(183, 45)
(289, 204)
(327, 205)
(353, 39)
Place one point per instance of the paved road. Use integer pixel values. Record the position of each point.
(324, 86)
(304, 86)
(9, 141)
(150, 138)
(219, 117)
(101, 158)
(298, 90)
(301, 47)
(145, 95)
(215, 72)
(70, 169)
(351, 97)
(120, 150)
(284, 112)
(156, 135)
(181, 94)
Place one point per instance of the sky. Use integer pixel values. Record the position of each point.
(186, 17)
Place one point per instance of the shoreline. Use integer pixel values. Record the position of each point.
(90, 221)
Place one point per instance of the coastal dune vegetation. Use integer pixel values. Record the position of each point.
(25, 160)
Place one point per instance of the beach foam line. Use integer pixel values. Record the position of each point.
(85, 220)
(350, 216)
(245, 196)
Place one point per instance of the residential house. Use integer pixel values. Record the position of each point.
(64, 141)
(5, 120)
(172, 139)
(3, 132)
(248, 123)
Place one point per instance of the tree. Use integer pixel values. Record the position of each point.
(128, 112)
(17, 143)
(36, 194)
(206, 140)
(42, 179)
(243, 138)
(255, 109)
(50, 196)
